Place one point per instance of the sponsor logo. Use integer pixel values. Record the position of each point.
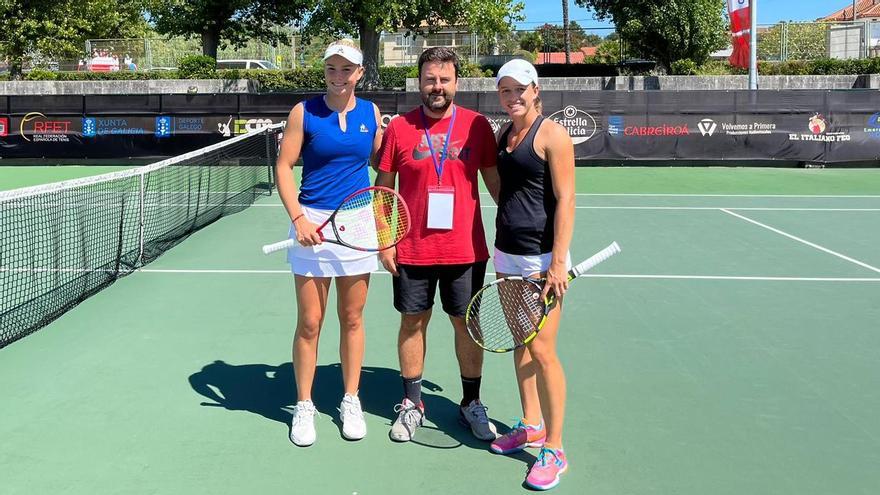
(164, 127)
(615, 125)
(818, 126)
(364, 128)
(4, 126)
(872, 126)
(234, 127)
(498, 123)
(581, 126)
(189, 123)
(36, 127)
(97, 126)
(751, 129)
(656, 130)
(707, 127)
(90, 127)
(454, 152)
(387, 118)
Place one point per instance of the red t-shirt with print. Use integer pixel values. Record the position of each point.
(405, 151)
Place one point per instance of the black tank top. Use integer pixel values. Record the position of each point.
(527, 204)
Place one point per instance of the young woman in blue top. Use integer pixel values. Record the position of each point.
(337, 136)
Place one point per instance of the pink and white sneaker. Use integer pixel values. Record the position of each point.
(520, 437)
(546, 470)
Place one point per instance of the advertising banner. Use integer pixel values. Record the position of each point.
(797, 126)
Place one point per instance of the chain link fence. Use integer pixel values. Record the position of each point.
(778, 42)
(819, 40)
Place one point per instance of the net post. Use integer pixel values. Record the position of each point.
(271, 151)
(141, 208)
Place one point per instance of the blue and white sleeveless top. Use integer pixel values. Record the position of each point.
(335, 162)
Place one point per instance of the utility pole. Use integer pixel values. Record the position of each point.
(753, 46)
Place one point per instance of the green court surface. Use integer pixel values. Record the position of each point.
(15, 176)
(731, 348)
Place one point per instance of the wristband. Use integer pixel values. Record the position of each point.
(297, 217)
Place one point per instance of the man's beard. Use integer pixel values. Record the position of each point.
(435, 105)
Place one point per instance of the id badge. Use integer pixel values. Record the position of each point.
(441, 200)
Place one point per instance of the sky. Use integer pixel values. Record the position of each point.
(538, 12)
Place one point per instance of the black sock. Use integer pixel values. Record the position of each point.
(471, 389)
(412, 389)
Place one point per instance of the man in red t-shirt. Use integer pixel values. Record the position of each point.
(437, 150)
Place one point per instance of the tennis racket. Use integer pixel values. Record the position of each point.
(509, 312)
(371, 219)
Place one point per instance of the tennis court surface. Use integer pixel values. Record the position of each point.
(731, 348)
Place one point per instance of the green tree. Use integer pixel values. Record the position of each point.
(368, 18)
(531, 41)
(607, 52)
(232, 22)
(793, 41)
(48, 29)
(589, 39)
(553, 37)
(667, 30)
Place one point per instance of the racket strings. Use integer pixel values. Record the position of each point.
(506, 314)
(373, 219)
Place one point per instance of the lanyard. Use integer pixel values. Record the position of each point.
(438, 164)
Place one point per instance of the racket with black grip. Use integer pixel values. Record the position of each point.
(509, 312)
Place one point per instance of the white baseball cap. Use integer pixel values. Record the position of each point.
(520, 70)
(349, 53)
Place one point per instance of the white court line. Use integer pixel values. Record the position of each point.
(589, 275)
(279, 205)
(209, 271)
(803, 241)
(664, 195)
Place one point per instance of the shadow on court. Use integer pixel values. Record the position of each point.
(270, 391)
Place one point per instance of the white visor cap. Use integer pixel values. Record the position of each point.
(349, 53)
(520, 70)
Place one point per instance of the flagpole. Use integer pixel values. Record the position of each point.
(753, 45)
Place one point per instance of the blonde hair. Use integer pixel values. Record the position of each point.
(346, 42)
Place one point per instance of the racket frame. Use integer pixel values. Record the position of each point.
(288, 243)
(549, 301)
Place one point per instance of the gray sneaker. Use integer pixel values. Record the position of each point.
(474, 416)
(409, 417)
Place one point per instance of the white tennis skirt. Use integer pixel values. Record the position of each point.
(327, 259)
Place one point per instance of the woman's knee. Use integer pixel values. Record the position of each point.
(543, 354)
(351, 321)
(308, 326)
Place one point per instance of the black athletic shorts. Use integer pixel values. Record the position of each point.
(416, 286)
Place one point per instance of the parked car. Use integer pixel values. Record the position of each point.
(245, 64)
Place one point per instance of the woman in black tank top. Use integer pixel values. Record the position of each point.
(535, 221)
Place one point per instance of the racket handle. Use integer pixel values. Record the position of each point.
(278, 246)
(595, 259)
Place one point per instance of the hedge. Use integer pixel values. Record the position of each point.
(395, 77)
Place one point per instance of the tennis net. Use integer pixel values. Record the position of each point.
(60, 243)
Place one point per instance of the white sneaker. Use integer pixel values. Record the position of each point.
(353, 425)
(302, 426)
(474, 416)
(409, 418)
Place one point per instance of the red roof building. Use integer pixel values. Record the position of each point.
(575, 57)
(865, 9)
